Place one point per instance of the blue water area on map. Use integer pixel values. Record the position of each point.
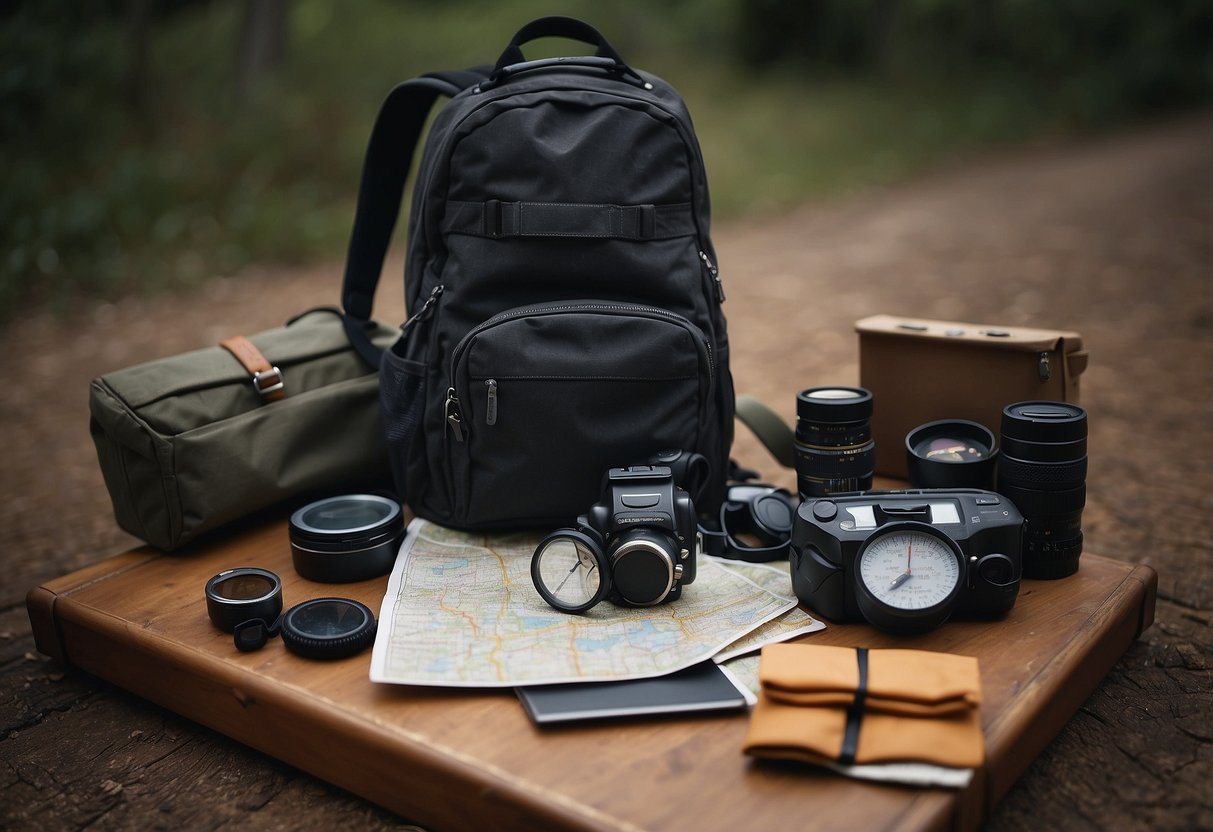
(451, 563)
(535, 622)
(590, 644)
(644, 632)
(440, 665)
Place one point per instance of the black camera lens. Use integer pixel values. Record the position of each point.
(1043, 470)
(951, 453)
(237, 595)
(834, 448)
(353, 537)
(642, 567)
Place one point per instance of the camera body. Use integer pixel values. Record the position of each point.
(636, 547)
(647, 526)
(975, 536)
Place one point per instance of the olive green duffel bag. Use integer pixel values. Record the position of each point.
(191, 442)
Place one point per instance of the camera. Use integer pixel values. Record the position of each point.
(905, 561)
(636, 547)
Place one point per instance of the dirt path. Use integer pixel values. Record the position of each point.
(1113, 239)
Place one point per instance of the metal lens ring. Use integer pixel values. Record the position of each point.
(328, 628)
(570, 571)
(642, 568)
(238, 595)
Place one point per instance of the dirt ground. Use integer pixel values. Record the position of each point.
(1112, 238)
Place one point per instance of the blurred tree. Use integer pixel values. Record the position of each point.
(1092, 62)
(262, 42)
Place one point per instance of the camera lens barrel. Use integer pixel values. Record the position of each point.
(1043, 470)
(835, 452)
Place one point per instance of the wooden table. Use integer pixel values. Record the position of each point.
(472, 760)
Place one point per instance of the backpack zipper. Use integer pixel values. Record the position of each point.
(490, 410)
(454, 416)
(715, 273)
(527, 311)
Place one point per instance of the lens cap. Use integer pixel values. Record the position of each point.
(1044, 422)
(642, 568)
(1047, 432)
(328, 628)
(834, 404)
(348, 538)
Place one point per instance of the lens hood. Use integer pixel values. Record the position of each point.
(951, 453)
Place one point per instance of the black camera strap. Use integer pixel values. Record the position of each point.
(772, 431)
(756, 510)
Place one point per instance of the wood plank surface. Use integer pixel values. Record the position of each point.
(464, 759)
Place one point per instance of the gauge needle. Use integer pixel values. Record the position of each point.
(556, 591)
(904, 576)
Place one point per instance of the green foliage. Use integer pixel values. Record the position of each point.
(125, 176)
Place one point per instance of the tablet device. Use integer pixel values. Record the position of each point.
(701, 687)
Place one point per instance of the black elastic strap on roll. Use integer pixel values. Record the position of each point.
(850, 737)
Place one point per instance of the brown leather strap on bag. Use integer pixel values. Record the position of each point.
(267, 379)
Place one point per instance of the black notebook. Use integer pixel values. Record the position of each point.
(701, 687)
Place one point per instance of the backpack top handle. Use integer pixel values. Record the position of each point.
(512, 61)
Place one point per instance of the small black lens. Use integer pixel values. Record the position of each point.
(834, 448)
(642, 567)
(951, 453)
(1043, 470)
(236, 595)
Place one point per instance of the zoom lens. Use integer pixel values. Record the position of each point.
(834, 448)
(1043, 470)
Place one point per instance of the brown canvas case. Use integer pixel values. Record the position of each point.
(922, 370)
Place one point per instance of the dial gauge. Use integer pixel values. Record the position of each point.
(907, 577)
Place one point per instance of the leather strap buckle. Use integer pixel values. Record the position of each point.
(267, 378)
(268, 382)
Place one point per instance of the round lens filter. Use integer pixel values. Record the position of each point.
(328, 628)
(569, 570)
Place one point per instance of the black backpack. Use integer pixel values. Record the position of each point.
(564, 303)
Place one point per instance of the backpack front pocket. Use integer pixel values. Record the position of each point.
(544, 399)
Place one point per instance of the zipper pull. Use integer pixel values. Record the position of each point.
(491, 411)
(715, 273)
(425, 311)
(452, 414)
(1043, 368)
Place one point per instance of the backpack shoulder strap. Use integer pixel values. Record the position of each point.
(389, 155)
